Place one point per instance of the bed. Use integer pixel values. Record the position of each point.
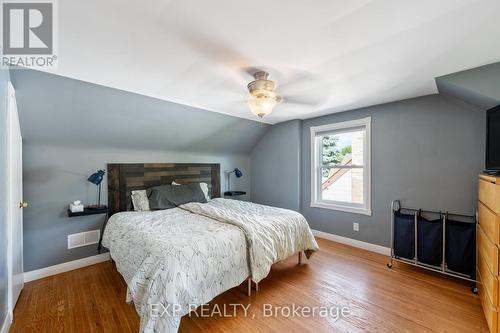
(177, 259)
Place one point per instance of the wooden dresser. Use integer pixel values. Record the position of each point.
(488, 244)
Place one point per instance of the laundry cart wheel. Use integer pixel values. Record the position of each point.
(389, 265)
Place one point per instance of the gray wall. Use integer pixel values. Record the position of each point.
(56, 175)
(426, 152)
(479, 86)
(72, 128)
(4, 78)
(276, 164)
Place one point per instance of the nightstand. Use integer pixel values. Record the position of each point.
(93, 211)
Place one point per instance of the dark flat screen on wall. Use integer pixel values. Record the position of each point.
(493, 139)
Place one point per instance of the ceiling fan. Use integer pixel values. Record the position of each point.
(265, 94)
(262, 99)
(301, 87)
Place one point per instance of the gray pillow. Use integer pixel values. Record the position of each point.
(167, 196)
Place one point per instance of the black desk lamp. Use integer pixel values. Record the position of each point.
(96, 179)
(237, 173)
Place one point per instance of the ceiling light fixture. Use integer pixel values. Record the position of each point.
(263, 99)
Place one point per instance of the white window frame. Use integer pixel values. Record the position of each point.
(316, 166)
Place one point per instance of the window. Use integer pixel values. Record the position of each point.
(340, 166)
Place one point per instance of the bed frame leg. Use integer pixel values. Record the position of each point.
(256, 286)
(128, 297)
(300, 258)
(249, 286)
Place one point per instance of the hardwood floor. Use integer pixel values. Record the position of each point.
(404, 299)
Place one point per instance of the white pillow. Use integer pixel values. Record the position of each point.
(140, 200)
(203, 187)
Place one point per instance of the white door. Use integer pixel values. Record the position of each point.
(16, 205)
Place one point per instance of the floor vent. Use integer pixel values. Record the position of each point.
(83, 238)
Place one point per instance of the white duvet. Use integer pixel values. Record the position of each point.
(174, 260)
(272, 234)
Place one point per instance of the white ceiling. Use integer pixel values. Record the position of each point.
(342, 54)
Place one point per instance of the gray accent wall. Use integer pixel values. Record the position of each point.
(276, 164)
(72, 128)
(426, 151)
(4, 79)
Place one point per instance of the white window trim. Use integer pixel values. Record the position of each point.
(315, 167)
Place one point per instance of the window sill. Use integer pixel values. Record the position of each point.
(355, 210)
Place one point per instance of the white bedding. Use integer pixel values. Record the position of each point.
(186, 256)
(175, 258)
(272, 234)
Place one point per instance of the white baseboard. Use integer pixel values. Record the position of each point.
(65, 267)
(6, 323)
(353, 242)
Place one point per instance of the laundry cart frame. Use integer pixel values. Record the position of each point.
(442, 269)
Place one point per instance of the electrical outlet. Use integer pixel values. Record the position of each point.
(355, 226)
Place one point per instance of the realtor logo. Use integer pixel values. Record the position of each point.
(28, 33)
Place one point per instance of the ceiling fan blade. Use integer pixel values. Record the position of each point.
(296, 80)
(293, 100)
(215, 51)
(304, 98)
(302, 87)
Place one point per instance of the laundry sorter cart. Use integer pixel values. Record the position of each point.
(442, 242)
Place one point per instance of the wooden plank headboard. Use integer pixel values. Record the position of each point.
(126, 177)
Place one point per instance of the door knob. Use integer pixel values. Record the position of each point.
(23, 205)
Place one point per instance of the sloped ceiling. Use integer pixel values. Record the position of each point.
(63, 111)
(479, 86)
(339, 55)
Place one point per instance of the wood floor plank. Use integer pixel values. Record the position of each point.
(379, 299)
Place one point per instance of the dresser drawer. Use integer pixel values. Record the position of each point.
(490, 222)
(490, 311)
(487, 250)
(490, 282)
(489, 194)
